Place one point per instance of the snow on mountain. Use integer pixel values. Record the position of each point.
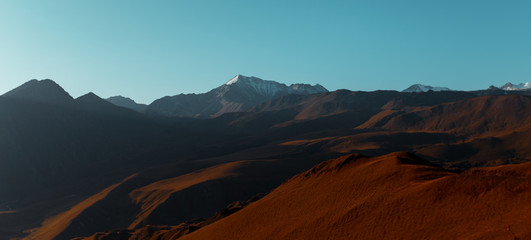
(424, 88)
(236, 95)
(255, 85)
(233, 80)
(271, 88)
(514, 87)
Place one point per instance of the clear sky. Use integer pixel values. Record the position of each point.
(149, 49)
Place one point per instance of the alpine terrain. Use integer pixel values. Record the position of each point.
(258, 159)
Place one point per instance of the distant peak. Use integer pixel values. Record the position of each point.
(120, 98)
(91, 99)
(512, 87)
(233, 80)
(43, 82)
(308, 88)
(424, 88)
(47, 80)
(45, 90)
(255, 81)
(91, 95)
(238, 78)
(126, 102)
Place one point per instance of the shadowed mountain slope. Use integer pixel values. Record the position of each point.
(127, 103)
(53, 226)
(40, 90)
(53, 154)
(176, 193)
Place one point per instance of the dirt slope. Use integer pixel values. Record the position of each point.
(53, 226)
(481, 116)
(396, 196)
(155, 194)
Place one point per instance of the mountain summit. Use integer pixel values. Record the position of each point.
(424, 88)
(127, 103)
(41, 90)
(255, 90)
(514, 87)
(272, 88)
(236, 95)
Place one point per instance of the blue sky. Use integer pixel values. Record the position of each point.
(149, 49)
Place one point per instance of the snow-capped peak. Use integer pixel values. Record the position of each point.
(256, 85)
(267, 87)
(514, 87)
(250, 81)
(233, 80)
(424, 88)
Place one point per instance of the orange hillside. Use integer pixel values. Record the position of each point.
(396, 196)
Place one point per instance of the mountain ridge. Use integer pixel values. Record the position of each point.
(379, 197)
(45, 90)
(424, 88)
(236, 95)
(516, 87)
(127, 103)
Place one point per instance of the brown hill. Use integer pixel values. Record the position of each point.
(158, 232)
(139, 203)
(53, 226)
(482, 116)
(324, 104)
(153, 195)
(396, 196)
(445, 149)
(145, 200)
(172, 194)
(509, 148)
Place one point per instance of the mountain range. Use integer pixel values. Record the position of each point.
(238, 94)
(424, 88)
(43, 91)
(512, 87)
(126, 103)
(263, 160)
(507, 87)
